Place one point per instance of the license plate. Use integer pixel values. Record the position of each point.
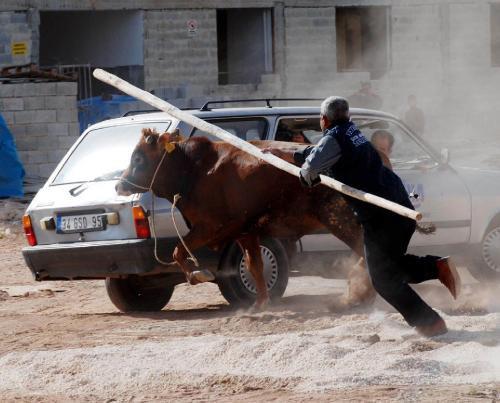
(80, 223)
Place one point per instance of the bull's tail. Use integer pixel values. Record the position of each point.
(426, 229)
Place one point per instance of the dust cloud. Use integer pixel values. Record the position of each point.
(443, 53)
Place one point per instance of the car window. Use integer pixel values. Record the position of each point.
(246, 129)
(103, 154)
(299, 130)
(390, 138)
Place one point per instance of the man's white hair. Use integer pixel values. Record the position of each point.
(334, 108)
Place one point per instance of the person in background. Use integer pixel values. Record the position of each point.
(383, 141)
(299, 137)
(414, 116)
(365, 97)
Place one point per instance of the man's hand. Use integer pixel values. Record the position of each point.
(308, 180)
(284, 155)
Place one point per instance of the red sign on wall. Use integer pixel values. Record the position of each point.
(192, 27)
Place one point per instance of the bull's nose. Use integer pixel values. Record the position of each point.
(121, 190)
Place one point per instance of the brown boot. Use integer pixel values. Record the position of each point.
(448, 275)
(436, 329)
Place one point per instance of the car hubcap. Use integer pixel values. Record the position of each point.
(270, 271)
(491, 249)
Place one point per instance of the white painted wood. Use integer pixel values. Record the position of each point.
(206, 127)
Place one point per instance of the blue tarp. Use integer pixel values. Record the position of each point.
(11, 169)
(93, 110)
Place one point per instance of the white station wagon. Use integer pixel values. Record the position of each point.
(79, 228)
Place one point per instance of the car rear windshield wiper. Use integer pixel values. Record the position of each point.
(105, 177)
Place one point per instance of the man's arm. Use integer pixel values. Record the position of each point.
(321, 157)
(313, 159)
(297, 157)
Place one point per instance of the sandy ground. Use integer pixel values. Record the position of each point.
(65, 341)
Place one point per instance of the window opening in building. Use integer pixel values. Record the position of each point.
(244, 45)
(363, 39)
(79, 41)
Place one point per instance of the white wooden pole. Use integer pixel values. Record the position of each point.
(206, 127)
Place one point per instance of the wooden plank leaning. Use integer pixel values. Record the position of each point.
(206, 127)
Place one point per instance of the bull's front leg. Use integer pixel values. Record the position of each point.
(195, 239)
(253, 257)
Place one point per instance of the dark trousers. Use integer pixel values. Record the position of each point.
(392, 269)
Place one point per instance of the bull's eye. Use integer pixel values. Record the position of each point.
(137, 160)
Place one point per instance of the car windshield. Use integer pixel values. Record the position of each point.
(104, 153)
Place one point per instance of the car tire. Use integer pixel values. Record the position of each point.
(237, 285)
(485, 266)
(140, 293)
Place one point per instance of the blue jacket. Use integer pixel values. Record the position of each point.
(346, 155)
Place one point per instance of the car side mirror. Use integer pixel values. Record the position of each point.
(445, 156)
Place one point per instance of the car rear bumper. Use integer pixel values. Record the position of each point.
(95, 260)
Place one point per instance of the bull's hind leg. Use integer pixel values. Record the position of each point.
(253, 257)
(338, 217)
(195, 239)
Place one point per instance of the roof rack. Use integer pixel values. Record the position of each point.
(266, 100)
(205, 106)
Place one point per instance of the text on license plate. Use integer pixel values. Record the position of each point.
(80, 223)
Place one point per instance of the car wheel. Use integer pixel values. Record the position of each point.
(486, 265)
(235, 281)
(140, 293)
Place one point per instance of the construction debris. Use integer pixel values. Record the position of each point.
(33, 73)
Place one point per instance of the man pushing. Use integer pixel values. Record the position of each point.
(346, 155)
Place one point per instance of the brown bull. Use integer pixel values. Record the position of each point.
(227, 194)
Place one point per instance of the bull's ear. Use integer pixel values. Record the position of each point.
(166, 142)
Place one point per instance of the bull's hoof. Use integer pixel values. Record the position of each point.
(201, 276)
(260, 305)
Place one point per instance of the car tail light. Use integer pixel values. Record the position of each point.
(141, 222)
(28, 230)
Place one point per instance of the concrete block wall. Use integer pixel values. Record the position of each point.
(43, 118)
(176, 61)
(18, 26)
(416, 61)
(172, 55)
(439, 51)
(310, 51)
(474, 83)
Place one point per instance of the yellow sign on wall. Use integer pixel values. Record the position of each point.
(19, 48)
